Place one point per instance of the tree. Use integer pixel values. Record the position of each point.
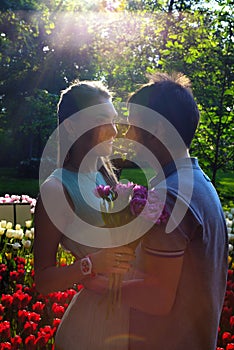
(201, 46)
(40, 120)
(119, 42)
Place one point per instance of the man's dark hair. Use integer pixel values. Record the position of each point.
(171, 96)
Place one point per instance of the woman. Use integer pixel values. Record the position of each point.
(67, 211)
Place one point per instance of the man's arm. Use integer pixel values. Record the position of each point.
(161, 270)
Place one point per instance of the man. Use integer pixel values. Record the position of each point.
(178, 305)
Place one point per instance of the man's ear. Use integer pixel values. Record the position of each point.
(158, 130)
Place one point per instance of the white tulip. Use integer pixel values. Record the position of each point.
(3, 223)
(230, 216)
(32, 231)
(231, 237)
(27, 243)
(19, 234)
(9, 225)
(17, 227)
(229, 223)
(28, 234)
(10, 233)
(230, 248)
(2, 230)
(28, 223)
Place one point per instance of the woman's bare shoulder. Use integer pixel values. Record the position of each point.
(52, 187)
(52, 191)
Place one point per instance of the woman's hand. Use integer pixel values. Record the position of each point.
(112, 260)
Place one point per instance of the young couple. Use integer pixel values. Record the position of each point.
(174, 283)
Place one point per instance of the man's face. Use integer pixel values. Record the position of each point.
(134, 132)
(142, 130)
(138, 131)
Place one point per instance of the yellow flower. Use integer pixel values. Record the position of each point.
(17, 227)
(229, 259)
(8, 256)
(2, 230)
(3, 223)
(63, 261)
(232, 266)
(28, 223)
(9, 225)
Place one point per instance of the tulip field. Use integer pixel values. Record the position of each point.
(29, 320)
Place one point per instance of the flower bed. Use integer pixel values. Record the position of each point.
(29, 320)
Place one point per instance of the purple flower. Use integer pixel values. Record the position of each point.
(137, 205)
(123, 192)
(102, 191)
(140, 191)
(153, 197)
(122, 189)
(153, 211)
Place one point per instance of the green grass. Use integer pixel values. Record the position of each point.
(137, 175)
(225, 187)
(11, 184)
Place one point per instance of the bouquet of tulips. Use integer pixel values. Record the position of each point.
(120, 205)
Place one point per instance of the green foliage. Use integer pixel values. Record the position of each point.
(46, 48)
(201, 46)
(39, 119)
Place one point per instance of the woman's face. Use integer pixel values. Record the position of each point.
(106, 131)
(94, 130)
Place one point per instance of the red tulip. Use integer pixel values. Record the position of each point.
(230, 346)
(20, 299)
(7, 300)
(226, 337)
(3, 268)
(2, 308)
(30, 342)
(16, 342)
(34, 317)
(38, 307)
(5, 346)
(5, 330)
(47, 330)
(58, 310)
(22, 316)
(41, 341)
(30, 327)
(56, 322)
